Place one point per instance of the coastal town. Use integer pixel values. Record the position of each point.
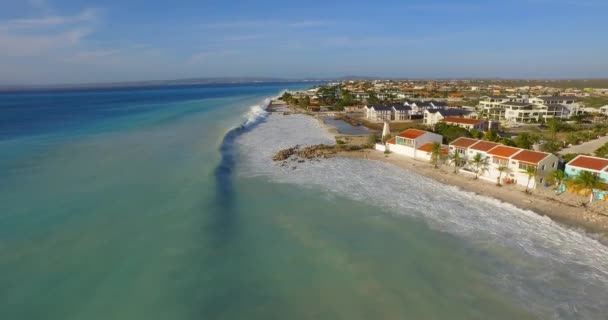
(531, 143)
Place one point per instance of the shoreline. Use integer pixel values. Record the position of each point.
(565, 209)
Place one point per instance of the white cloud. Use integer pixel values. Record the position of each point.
(32, 36)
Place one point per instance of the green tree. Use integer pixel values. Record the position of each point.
(525, 140)
(531, 173)
(304, 102)
(491, 135)
(501, 170)
(587, 180)
(456, 160)
(572, 138)
(552, 146)
(372, 139)
(602, 151)
(450, 133)
(480, 164)
(557, 177)
(436, 154)
(477, 134)
(569, 157)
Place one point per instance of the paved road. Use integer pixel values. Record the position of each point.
(587, 147)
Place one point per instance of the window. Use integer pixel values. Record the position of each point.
(553, 165)
(543, 168)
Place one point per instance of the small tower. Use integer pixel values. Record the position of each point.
(386, 131)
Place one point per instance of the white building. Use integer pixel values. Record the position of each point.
(378, 113)
(408, 142)
(514, 160)
(431, 117)
(471, 124)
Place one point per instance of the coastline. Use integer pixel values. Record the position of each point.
(566, 209)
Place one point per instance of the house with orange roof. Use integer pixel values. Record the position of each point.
(425, 152)
(595, 165)
(471, 124)
(515, 160)
(408, 142)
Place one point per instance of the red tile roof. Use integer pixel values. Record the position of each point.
(392, 140)
(504, 152)
(484, 146)
(462, 120)
(428, 148)
(411, 133)
(531, 157)
(463, 142)
(589, 163)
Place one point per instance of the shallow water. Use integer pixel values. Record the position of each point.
(346, 128)
(156, 213)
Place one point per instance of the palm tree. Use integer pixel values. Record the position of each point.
(436, 154)
(480, 164)
(501, 169)
(531, 172)
(587, 180)
(456, 160)
(557, 176)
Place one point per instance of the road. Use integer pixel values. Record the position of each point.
(587, 147)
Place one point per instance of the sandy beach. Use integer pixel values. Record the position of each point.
(565, 208)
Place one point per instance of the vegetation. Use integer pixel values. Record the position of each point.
(451, 133)
(526, 140)
(556, 177)
(501, 169)
(491, 135)
(595, 102)
(602, 151)
(569, 157)
(436, 154)
(373, 138)
(480, 164)
(456, 160)
(586, 180)
(531, 173)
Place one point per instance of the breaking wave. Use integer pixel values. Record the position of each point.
(547, 266)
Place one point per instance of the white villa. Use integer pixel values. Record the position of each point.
(380, 113)
(431, 117)
(418, 107)
(514, 160)
(471, 124)
(521, 109)
(413, 143)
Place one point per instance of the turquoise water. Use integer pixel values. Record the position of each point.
(143, 208)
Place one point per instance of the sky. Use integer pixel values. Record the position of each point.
(71, 41)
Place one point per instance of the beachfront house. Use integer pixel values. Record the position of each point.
(425, 152)
(595, 165)
(471, 124)
(461, 147)
(543, 163)
(431, 117)
(409, 141)
(508, 163)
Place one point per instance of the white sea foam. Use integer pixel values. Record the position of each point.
(545, 264)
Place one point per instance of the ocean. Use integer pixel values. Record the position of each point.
(163, 203)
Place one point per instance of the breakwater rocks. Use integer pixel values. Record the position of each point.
(306, 153)
(299, 154)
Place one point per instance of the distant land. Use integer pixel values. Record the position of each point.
(556, 83)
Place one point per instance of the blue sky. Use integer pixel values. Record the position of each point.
(69, 41)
